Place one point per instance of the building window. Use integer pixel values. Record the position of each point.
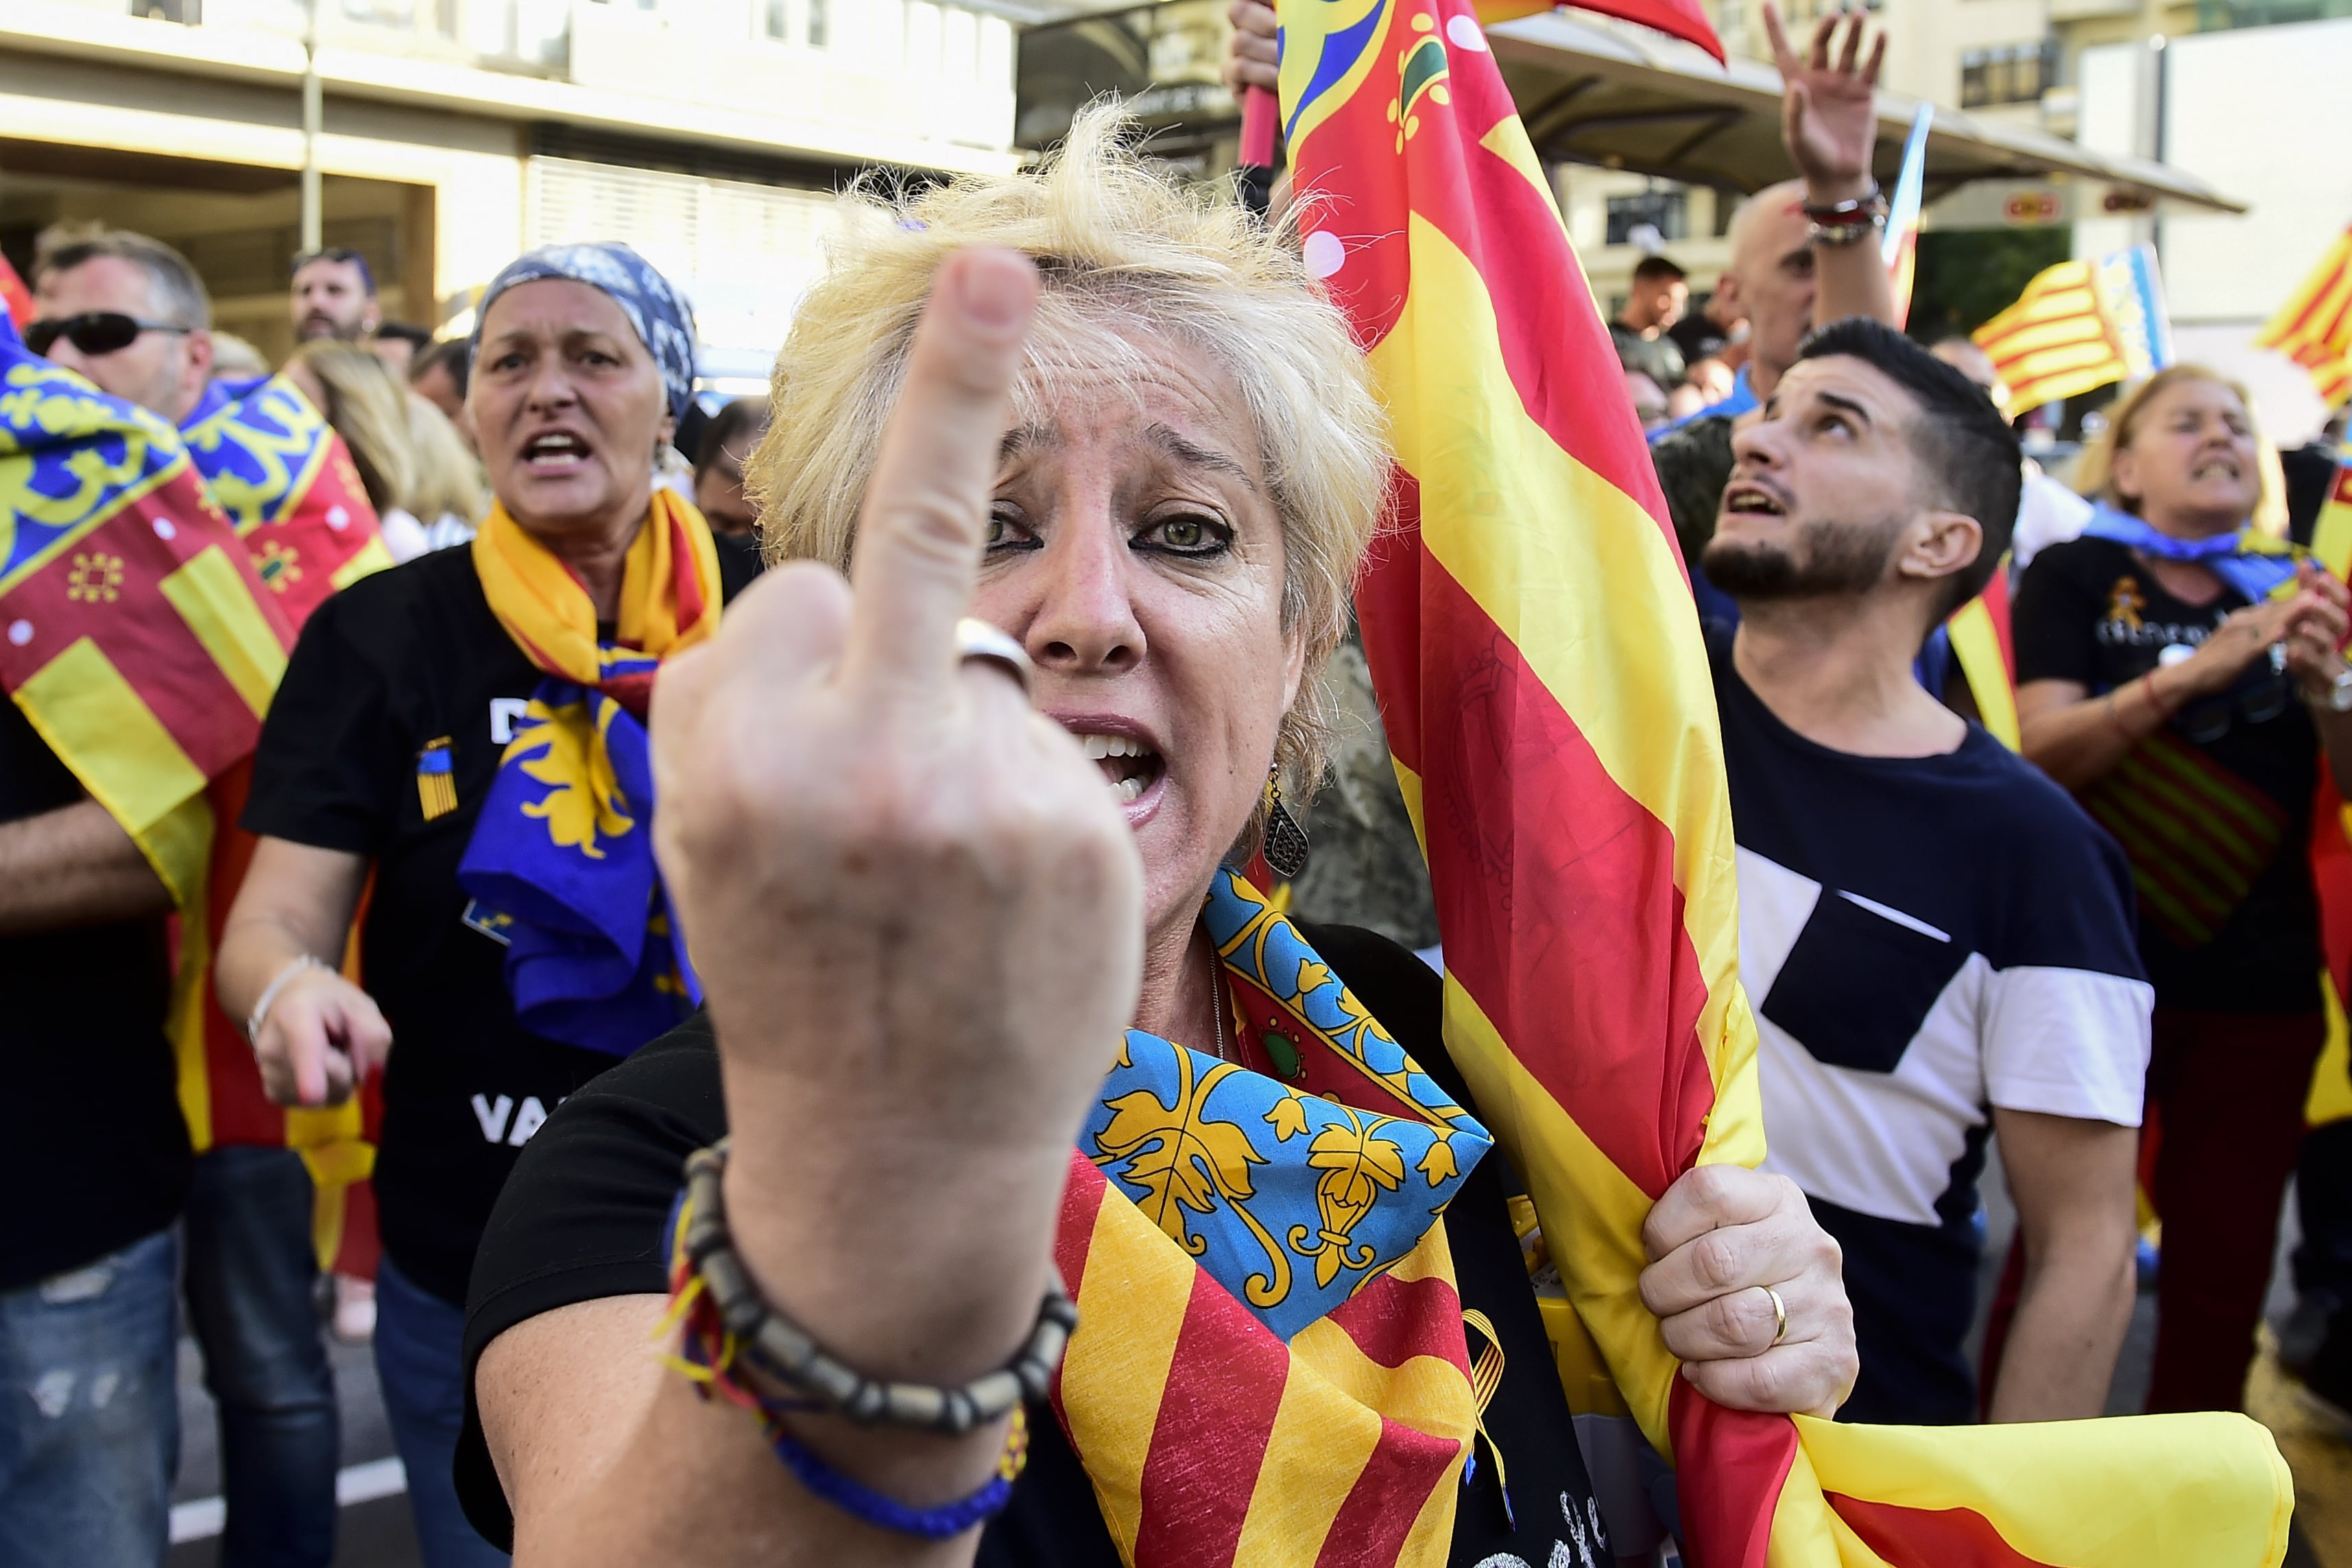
(2019, 73)
(1665, 211)
(2217, 15)
(816, 21)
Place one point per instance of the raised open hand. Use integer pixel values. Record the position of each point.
(1829, 117)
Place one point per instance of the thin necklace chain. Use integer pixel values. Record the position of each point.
(1217, 1006)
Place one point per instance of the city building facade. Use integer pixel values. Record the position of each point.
(708, 134)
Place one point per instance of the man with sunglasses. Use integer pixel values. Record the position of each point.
(333, 296)
(129, 314)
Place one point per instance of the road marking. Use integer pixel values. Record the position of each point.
(202, 1518)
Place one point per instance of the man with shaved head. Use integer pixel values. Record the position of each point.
(1805, 251)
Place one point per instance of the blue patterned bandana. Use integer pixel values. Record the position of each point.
(664, 320)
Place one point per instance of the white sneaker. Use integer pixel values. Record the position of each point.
(355, 1319)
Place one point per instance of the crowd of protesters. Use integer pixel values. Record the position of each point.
(2099, 954)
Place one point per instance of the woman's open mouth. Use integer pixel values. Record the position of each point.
(1129, 766)
(554, 451)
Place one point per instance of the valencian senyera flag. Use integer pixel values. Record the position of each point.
(1547, 698)
(2080, 325)
(132, 631)
(138, 638)
(288, 483)
(1682, 18)
(2313, 327)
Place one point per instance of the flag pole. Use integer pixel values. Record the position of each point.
(1256, 160)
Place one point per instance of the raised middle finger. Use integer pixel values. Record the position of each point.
(920, 534)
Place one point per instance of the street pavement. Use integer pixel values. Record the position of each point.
(374, 1533)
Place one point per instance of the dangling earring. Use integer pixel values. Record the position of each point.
(1286, 841)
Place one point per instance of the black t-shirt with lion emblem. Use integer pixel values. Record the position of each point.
(2214, 808)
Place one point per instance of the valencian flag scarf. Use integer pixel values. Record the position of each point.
(1547, 697)
(561, 861)
(1270, 1365)
(288, 483)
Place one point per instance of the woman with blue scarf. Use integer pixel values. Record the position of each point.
(458, 748)
(2179, 671)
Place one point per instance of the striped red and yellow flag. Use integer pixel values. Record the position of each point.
(1983, 646)
(1683, 19)
(2079, 326)
(2313, 327)
(1547, 700)
(287, 483)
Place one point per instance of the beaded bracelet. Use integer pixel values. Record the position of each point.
(710, 1349)
(781, 1350)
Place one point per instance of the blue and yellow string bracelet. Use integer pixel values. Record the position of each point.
(725, 1326)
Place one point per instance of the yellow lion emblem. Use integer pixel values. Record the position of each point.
(586, 801)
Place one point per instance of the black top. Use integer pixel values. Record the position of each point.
(739, 560)
(2228, 922)
(1696, 335)
(93, 1152)
(582, 1219)
(1657, 358)
(1923, 938)
(397, 660)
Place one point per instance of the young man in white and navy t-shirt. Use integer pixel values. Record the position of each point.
(1936, 941)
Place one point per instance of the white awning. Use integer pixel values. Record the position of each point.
(1594, 91)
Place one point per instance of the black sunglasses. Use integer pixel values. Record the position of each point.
(93, 332)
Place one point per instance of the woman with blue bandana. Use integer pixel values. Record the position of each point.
(459, 750)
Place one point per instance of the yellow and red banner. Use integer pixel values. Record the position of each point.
(1986, 655)
(140, 637)
(288, 486)
(288, 483)
(2079, 326)
(1547, 700)
(131, 630)
(2313, 327)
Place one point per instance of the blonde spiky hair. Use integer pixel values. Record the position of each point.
(1125, 253)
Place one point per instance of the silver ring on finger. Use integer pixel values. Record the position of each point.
(977, 639)
(1779, 1316)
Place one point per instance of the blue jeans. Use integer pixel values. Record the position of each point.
(251, 1272)
(419, 1359)
(90, 1432)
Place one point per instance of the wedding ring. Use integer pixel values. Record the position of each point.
(976, 638)
(1779, 1316)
